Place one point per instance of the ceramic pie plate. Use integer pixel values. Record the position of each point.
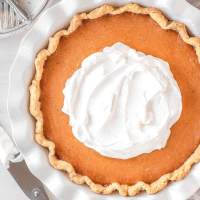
(22, 123)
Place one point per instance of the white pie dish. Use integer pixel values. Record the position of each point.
(23, 125)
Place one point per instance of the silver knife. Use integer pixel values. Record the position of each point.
(30, 185)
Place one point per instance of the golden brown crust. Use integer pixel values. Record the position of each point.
(35, 110)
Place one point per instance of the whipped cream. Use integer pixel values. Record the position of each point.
(122, 103)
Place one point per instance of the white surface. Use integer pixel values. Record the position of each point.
(114, 101)
(9, 190)
(22, 124)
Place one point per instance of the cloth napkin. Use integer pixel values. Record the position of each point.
(8, 150)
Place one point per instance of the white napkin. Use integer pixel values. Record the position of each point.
(8, 151)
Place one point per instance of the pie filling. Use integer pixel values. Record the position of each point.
(122, 103)
(142, 33)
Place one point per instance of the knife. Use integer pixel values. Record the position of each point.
(29, 184)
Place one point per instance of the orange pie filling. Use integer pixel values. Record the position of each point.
(143, 34)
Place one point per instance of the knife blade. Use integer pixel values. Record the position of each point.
(30, 185)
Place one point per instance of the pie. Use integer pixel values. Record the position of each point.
(147, 30)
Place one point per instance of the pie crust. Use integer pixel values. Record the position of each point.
(35, 105)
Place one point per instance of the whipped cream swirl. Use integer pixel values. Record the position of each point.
(122, 103)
